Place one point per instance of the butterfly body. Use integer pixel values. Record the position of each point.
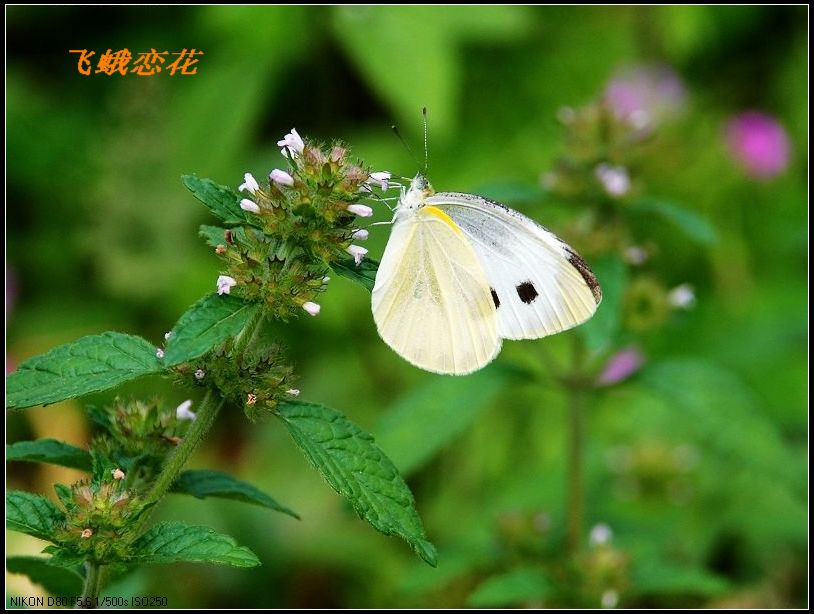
(461, 273)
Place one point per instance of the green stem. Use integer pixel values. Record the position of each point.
(577, 392)
(207, 411)
(93, 585)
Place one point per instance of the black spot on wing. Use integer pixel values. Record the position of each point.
(527, 292)
(587, 274)
(495, 298)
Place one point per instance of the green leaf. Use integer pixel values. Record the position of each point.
(518, 586)
(171, 542)
(221, 201)
(63, 557)
(32, 514)
(210, 321)
(358, 470)
(364, 274)
(422, 423)
(91, 364)
(689, 222)
(49, 451)
(214, 235)
(600, 330)
(202, 483)
(58, 581)
(657, 577)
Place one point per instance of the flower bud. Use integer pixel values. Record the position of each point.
(312, 308)
(281, 177)
(249, 205)
(360, 210)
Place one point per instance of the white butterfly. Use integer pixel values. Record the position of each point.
(461, 273)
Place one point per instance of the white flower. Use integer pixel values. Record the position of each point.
(249, 184)
(380, 179)
(182, 412)
(682, 297)
(281, 177)
(294, 392)
(200, 374)
(293, 142)
(357, 252)
(311, 308)
(610, 599)
(159, 353)
(361, 234)
(614, 179)
(86, 533)
(167, 336)
(600, 535)
(117, 474)
(360, 210)
(326, 279)
(636, 255)
(225, 284)
(251, 399)
(249, 205)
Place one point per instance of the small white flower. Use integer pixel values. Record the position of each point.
(357, 252)
(118, 474)
(249, 205)
(159, 353)
(225, 284)
(614, 179)
(311, 308)
(636, 255)
(361, 235)
(251, 399)
(86, 533)
(167, 336)
(682, 297)
(182, 412)
(294, 392)
(200, 374)
(249, 184)
(600, 535)
(380, 179)
(610, 599)
(293, 142)
(281, 177)
(360, 210)
(326, 279)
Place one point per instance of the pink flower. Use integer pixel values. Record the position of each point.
(312, 308)
(249, 205)
(360, 210)
(357, 252)
(759, 145)
(621, 366)
(614, 179)
(360, 235)
(645, 95)
(379, 178)
(293, 142)
(225, 284)
(249, 183)
(281, 177)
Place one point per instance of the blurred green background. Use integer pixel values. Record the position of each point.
(697, 463)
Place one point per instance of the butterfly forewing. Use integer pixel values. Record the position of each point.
(431, 301)
(538, 284)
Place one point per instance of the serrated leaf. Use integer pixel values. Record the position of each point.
(91, 364)
(49, 451)
(518, 586)
(358, 470)
(171, 542)
(32, 514)
(58, 581)
(212, 320)
(601, 329)
(202, 483)
(62, 557)
(364, 274)
(689, 222)
(214, 235)
(418, 426)
(222, 201)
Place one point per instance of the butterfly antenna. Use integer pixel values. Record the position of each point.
(397, 132)
(426, 150)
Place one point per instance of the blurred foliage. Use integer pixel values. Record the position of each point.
(698, 464)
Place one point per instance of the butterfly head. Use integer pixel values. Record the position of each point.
(413, 198)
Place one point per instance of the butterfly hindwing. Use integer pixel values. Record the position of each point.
(538, 284)
(431, 300)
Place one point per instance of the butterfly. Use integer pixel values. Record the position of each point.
(460, 273)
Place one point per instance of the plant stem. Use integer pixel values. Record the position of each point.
(576, 435)
(204, 418)
(93, 584)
